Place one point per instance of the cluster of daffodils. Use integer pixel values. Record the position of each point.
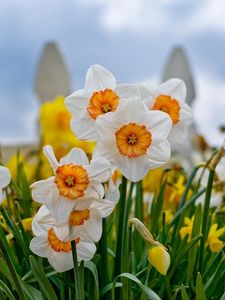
(132, 126)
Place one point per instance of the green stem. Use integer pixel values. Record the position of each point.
(104, 256)
(120, 228)
(189, 203)
(76, 272)
(188, 186)
(12, 270)
(205, 219)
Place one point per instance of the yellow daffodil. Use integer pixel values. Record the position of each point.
(27, 224)
(158, 255)
(29, 168)
(152, 181)
(187, 230)
(169, 215)
(215, 245)
(55, 129)
(159, 258)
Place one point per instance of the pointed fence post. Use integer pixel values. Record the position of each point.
(52, 78)
(178, 66)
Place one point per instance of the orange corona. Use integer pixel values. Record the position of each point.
(71, 180)
(102, 102)
(168, 105)
(57, 245)
(133, 140)
(77, 217)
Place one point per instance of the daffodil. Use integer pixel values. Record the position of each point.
(168, 97)
(54, 242)
(187, 230)
(158, 255)
(75, 185)
(98, 97)
(12, 165)
(5, 179)
(134, 139)
(152, 181)
(159, 258)
(213, 241)
(55, 128)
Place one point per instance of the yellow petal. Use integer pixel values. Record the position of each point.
(159, 258)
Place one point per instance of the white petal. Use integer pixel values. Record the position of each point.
(95, 190)
(2, 196)
(82, 203)
(85, 250)
(98, 78)
(158, 123)
(5, 177)
(49, 153)
(76, 103)
(104, 206)
(127, 90)
(178, 133)
(174, 87)
(133, 169)
(91, 230)
(84, 128)
(60, 261)
(43, 221)
(39, 245)
(76, 156)
(60, 208)
(159, 154)
(99, 169)
(186, 114)
(43, 190)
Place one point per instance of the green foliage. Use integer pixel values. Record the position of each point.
(120, 268)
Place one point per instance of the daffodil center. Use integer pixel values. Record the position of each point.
(71, 180)
(78, 217)
(133, 140)
(168, 105)
(102, 102)
(106, 108)
(58, 245)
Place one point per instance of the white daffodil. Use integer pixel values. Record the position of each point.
(98, 97)
(54, 242)
(75, 185)
(168, 97)
(5, 179)
(134, 139)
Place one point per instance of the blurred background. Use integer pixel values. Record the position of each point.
(132, 38)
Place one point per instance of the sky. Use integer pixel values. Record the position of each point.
(132, 38)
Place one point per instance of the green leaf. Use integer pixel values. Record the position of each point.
(108, 287)
(200, 293)
(184, 294)
(6, 290)
(182, 254)
(191, 273)
(149, 292)
(92, 268)
(42, 279)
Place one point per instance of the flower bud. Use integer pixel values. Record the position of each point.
(157, 253)
(159, 258)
